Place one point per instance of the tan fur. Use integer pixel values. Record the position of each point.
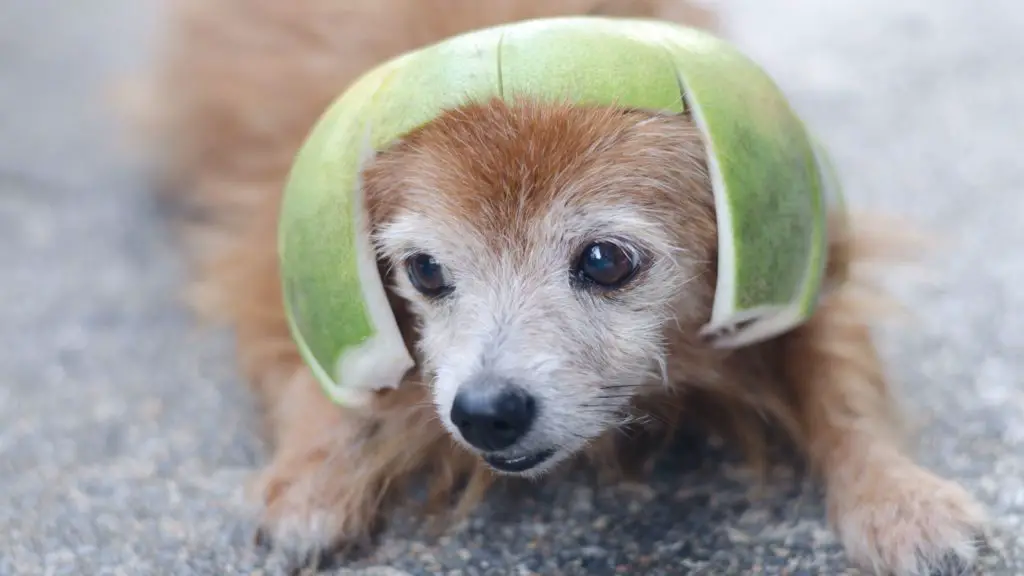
(242, 82)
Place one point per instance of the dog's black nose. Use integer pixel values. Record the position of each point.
(493, 419)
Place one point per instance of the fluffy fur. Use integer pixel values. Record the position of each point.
(504, 195)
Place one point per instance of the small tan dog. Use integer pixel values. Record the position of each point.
(583, 321)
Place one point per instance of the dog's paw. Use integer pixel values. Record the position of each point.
(310, 509)
(902, 520)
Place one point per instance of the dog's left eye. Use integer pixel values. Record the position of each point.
(428, 275)
(606, 265)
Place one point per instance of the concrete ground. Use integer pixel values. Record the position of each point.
(124, 436)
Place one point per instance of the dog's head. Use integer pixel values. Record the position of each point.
(547, 252)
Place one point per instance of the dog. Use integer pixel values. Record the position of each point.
(529, 354)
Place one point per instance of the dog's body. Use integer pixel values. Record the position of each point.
(565, 188)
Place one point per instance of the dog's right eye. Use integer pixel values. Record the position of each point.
(428, 275)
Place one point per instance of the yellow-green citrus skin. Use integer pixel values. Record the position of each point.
(769, 175)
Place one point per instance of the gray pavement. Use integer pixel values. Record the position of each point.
(124, 436)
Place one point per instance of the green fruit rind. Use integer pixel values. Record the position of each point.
(768, 191)
(770, 177)
(333, 293)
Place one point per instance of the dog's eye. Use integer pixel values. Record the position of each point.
(427, 275)
(606, 265)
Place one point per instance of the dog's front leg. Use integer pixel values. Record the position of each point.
(891, 514)
(333, 467)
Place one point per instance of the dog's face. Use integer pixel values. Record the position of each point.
(546, 252)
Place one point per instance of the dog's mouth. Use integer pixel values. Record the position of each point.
(518, 464)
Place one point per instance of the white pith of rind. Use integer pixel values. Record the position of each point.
(723, 308)
(382, 360)
(774, 320)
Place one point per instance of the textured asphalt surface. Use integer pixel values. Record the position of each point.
(124, 436)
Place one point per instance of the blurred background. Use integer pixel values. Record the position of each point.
(125, 437)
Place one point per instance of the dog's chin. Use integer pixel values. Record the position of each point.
(519, 464)
(533, 464)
